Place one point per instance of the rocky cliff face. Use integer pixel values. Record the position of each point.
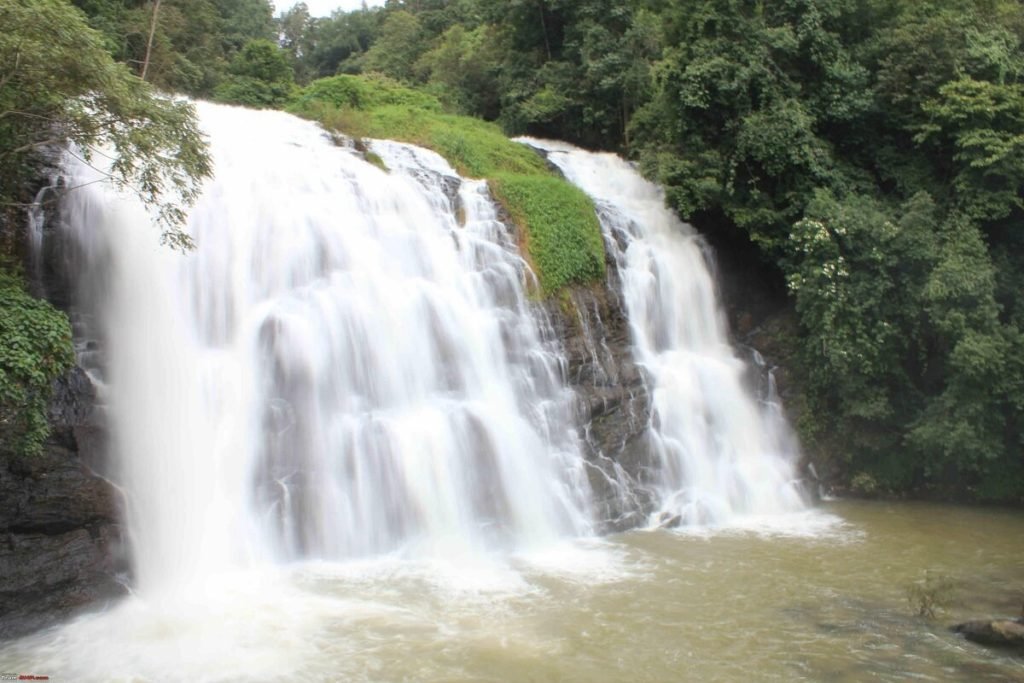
(613, 405)
(60, 541)
(59, 537)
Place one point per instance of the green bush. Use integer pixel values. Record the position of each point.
(475, 148)
(252, 92)
(35, 348)
(259, 76)
(362, 92)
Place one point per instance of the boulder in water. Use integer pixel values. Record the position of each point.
(994, 632)
(667, 520)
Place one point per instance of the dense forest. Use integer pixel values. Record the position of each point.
(870, 152)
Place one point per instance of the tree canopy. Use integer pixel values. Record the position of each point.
(59, 86)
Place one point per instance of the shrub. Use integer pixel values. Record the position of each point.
(252, 92)
(362, 92)
(35, 348)
(931, 594)
(260, 76)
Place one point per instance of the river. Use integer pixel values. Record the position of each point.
(815, 596)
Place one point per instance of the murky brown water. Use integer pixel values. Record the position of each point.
(822, 597)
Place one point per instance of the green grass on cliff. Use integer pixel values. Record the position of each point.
(561, 237)
(562, 234)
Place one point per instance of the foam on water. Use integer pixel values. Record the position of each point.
(317, 619)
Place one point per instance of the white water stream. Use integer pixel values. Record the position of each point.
(723, 456)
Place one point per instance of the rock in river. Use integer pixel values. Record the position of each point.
(997, 632)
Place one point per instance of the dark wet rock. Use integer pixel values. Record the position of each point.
(667, 520)
(613, 403)
(60, 544)
(73, 400)
(993, 632)
(50, 576)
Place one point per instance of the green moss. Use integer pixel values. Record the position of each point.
(35, 348)
(560, 232)
(376, 161)
(568, 307)
(563, 234)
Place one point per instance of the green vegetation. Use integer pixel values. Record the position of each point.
(879, 169)
(259, 76)
(35, 349)
(194, 41)
(931, 594)
(363, 94)
(376, 160)
(59, 86)
(379, 107)
(561, 236)
(869, 152)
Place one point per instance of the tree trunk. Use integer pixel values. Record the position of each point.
(544, 29)
(149, 43)
(625, 122)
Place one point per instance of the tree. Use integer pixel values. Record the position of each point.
(60, 87)
(181, 45)
(980, 124)
(463, 67)
(297, 31)
(149, 41)
(244, 20)
(260, 76)
(340, 41)
(397, 48)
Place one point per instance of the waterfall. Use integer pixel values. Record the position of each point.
(347, 364)
(720, 453)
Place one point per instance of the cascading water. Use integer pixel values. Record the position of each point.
(339, 370)
(720, 453)
(347, 368)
